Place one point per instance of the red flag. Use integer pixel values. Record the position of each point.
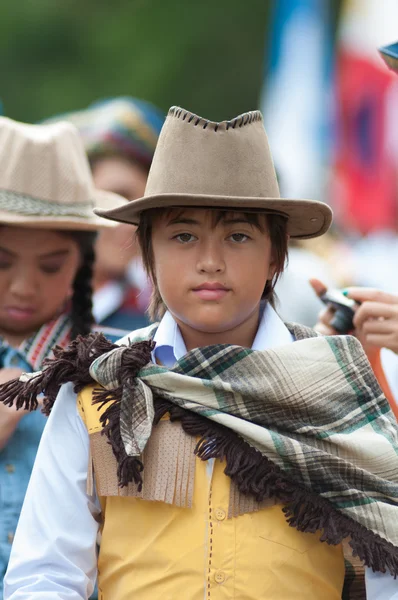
(364, 192)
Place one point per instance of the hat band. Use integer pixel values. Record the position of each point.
(15, 203)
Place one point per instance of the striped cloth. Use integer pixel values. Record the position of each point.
(306, 423)
(125, 126)
(40, 345)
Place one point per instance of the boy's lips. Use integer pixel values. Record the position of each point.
(211, 291)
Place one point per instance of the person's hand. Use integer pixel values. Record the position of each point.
(9, 373)
(326, 315)
(376, 319)
(9, 415)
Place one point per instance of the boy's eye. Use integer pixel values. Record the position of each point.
(4, 265)
(184, 238)
(239, 237)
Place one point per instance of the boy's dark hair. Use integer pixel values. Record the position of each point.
(277, 228)
(82, 303)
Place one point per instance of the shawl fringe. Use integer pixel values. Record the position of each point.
(256, 475)
(71, 364)
(252, 472)
(129, 468)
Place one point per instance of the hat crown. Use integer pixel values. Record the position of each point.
(197, 156)
(227, 165)
(46, 162)
(45, 178)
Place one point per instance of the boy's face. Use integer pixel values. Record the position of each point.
(211, 268)
(37, 270)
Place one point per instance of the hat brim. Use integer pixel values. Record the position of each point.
(390, 56)
(105, 201)
(306, 218)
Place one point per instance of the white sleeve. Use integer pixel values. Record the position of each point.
(54, 550)
(380, 586)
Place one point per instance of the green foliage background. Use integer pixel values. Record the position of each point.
(60, 55)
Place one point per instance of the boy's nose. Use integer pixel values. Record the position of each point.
(211, 258)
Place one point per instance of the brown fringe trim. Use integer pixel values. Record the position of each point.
(129, 468)
(254, 474)
(72, 364)
(69, 364)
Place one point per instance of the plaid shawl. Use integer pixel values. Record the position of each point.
(305, 423)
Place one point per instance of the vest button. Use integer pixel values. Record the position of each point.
(219, 577)
(10, 468)
(220, 514)
(10, 537)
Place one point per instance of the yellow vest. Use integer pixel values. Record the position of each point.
(158, 551)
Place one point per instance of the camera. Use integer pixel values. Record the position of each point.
(344, 310)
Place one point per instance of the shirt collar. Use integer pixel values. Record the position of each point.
(170, 345)
(41, 344)
(271, 332)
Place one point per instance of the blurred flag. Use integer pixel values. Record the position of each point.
(364, 185)
(296, 96)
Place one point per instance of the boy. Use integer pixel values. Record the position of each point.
(297, 423)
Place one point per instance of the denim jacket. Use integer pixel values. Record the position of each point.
(17, 457)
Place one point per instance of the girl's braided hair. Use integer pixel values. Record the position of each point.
(82, 303)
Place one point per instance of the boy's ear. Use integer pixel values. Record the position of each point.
(272, 271)
(273, 265)
(272, 268)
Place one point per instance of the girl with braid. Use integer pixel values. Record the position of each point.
(47, 237)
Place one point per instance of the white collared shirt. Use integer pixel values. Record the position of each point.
(170, 345)
(389, 363)
(57, 496)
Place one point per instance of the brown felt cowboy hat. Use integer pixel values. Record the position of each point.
(221, 165)
(45, 179)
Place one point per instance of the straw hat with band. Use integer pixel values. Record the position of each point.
(228, 165)
(45, 179)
